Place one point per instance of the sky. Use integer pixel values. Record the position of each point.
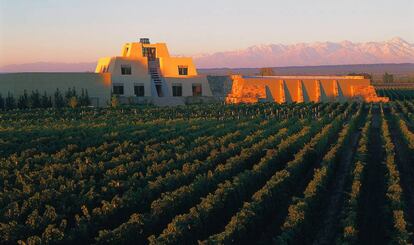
(84, 30)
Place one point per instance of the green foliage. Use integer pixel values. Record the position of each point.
(84, 98)
(300, 211)
(388, 78)
(213, 174)
(400, 235)
(23, 101)
(395, 94)
(2, 103)
(114, 101)
(10, 102)
(349, 222)
(35, 100)
(73, 102)
(46, 101)
(59, 102)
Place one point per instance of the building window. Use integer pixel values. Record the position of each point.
(197, 91)
(139, 90)
(177, 90)
(126, 69)
(183, 70)
(118, 89)
(150, 53)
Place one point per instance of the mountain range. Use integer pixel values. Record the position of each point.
(395, 50)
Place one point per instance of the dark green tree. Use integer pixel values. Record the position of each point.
(34, 100)
(388, 78)
(10, 102)
(45, 101)
(87, 99)
(84, 98)
(59, 101)
(23, 101)
(2, 104)
(70, 93)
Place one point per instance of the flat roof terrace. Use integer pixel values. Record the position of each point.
(308, 77)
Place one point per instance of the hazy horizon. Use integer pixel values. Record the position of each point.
(394, 51)
(82, 31)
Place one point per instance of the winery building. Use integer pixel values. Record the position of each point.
(287, 89)
(146, 73)
(143, 73)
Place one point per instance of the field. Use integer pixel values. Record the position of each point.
(397, 93)
(214, 174)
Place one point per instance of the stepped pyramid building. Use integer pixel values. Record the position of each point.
(143, 73)
(146, 71)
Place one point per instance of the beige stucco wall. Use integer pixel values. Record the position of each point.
(98, 85)
(134, 50)
(187, 85)
(132, 54)
(139, 73)
(290, 85)
(310, 90)
(103, 64)
(169, 66)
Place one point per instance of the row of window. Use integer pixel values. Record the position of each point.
(127, 70)
(139, 89)
(177, 89)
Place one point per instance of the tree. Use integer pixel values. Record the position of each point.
(84, 98)
(266, 71)
(388, 78)
(59, 101)
(70, 93)
(23, 101)
(114, 101)
(10, 102)
(34, 100)
(87, 99)
(73, 102)
(2, 104)
(45, 101)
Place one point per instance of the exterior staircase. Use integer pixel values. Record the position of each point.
(160, 92)
(153, 68)
(159, 86)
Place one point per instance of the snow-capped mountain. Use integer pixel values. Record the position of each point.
(395, 50)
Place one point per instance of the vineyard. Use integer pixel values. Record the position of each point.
(397, 93)
(308, 173)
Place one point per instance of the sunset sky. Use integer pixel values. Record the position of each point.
(84, 30)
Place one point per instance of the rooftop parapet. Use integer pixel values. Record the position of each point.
(308, 77)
